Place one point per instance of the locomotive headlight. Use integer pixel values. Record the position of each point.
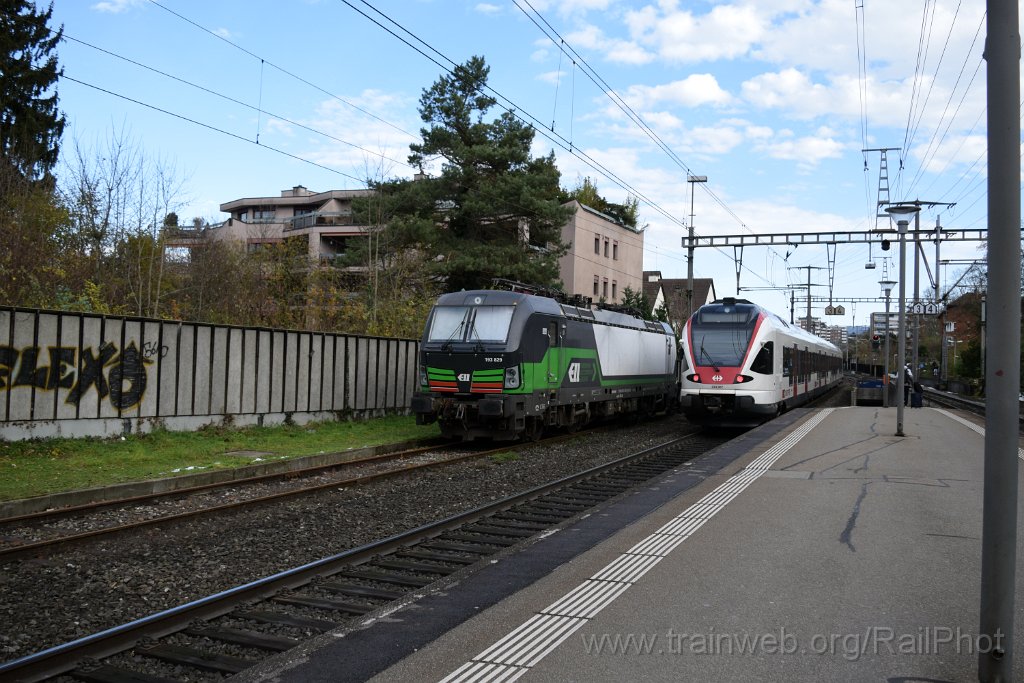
(740, 379)
(512, 377)
(423, 376)
(694, 378)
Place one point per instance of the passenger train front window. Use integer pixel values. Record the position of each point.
(721, 334)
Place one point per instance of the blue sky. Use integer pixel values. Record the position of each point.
(764, 97)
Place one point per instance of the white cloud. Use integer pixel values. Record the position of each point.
(953, 151)
(693, 91)
(116, 6)
(377, 139)
(551, 77)
(571, 7)
(716, 139)
(589, 37)
(223, 33)
(487, 8)
(808, 152)
(726, 32)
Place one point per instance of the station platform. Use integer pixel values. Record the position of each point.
(818, 547)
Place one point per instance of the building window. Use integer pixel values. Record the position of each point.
(595, 285)
(614, 287)
(615, 251)
(606, 248)
(263, 214)
(604, 289)
(597, 244)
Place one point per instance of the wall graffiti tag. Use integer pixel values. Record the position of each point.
(119, 376)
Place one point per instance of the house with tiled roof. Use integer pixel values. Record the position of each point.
(671, 292)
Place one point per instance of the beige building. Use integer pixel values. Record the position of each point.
(324, 218)
(604, 256)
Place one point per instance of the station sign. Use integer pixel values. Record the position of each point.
(922, 308)
(835, 310)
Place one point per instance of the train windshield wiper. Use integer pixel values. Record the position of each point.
(457, 331)
(707, 355)
(473, 333)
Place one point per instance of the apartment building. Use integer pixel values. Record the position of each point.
(604, 255)
(323, 218)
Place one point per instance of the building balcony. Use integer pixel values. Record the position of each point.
(319, 219)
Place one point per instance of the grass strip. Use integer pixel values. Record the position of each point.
(34, 468)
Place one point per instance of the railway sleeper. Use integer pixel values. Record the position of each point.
(387, 577)
(565, 498)
(558, 508)
(500, 530)
(534, 519)
(436, 557)
(420, 567)
(479, 538)
(354, 591)
(282, 619)
(323, 603)
(105, 673)
(584, 496)
(198, 659)
(455, 547)
(262, 641)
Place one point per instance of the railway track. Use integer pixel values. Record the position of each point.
(48, 530)
(235, 629)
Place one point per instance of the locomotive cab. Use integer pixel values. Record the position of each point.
(471, 362)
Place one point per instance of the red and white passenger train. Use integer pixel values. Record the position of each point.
(743, 364)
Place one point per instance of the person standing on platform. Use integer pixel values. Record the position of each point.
(908, 384)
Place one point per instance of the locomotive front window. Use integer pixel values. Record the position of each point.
(490, 323)
(448, 324)
(470, 323)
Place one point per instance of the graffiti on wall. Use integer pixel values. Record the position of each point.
(119, 376)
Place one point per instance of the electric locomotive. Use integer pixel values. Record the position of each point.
(743, 364)
(508, 364)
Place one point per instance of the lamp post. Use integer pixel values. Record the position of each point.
(887, 286)
(690, 178)
(902, 210)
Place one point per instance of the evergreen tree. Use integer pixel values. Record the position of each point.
(494, 210)
(30, 123)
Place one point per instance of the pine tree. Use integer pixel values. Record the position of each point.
(30, 123)
(494, 210)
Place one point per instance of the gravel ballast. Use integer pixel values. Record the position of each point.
(50, 600)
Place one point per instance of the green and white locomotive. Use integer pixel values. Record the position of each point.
(509, 364)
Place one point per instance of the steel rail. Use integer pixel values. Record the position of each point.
(64, 658)
(15, 551)
(57, 513)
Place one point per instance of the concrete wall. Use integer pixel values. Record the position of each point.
(75, 374)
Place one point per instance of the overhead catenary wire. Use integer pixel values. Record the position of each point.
(280, 68)
(210, 127)
(524, 115)
(233, 100)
